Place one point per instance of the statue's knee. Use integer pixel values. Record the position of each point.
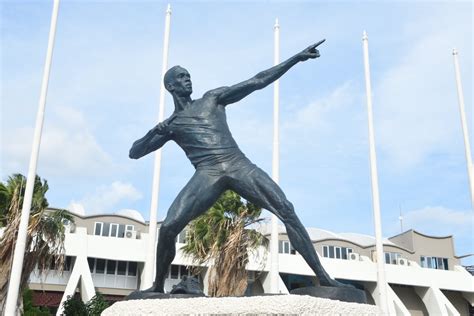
(289, 206)
(288, 212)
(168, 231)
(286, 207)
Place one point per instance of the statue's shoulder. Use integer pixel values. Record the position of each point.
(214, 93)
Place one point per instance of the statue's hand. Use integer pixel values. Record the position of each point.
(160, 128)
(163, 127)
(311, 52)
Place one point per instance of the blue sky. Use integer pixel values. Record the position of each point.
(104, 89)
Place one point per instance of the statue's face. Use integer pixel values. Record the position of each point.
(181, 83)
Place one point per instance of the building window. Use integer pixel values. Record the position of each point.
(91, 262)
(121, 231)
(178, 271)
(132, 268)
(181, 239)
(434, 263)
(348, 252)
(100, 266)
(331, 252)
(105, 229)
(174, 271)
(284, 246)
(111, 264)
(183, 270)
(112, 229)
(389, 257)
(112, 267)
(392, 257)
(98, 228)
(336, 252)
(68, 263)
(445, 263)
(122, 267)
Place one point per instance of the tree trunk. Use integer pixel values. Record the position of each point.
(8, 241)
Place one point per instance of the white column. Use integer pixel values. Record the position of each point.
(381, 280)
(274, 270)
(395, 305)
(151, 249)
(436, 302)
(80, 271)
(17, 266)
(467, 146)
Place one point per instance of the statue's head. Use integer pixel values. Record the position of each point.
(178, 81)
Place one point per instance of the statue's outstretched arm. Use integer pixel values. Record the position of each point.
(153, 140)
(239, 91)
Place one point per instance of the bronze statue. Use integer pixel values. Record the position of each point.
(200, 128)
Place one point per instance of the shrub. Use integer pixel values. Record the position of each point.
(75, 306)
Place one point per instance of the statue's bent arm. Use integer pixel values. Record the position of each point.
(148, 143)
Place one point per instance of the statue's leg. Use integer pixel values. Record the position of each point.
(257, 187)
(194, 199)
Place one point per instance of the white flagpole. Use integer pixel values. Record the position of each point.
(17, 265)
(381, 280)
(467, 146)
(274, 275)
(151, 249)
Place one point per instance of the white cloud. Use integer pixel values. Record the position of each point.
(107, 197)
(76, 208)
(67, 146)
(415, 101)
(324, 122)
(314, 115)
(439, 220)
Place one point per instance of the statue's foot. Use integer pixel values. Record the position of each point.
(188, 285)
(151, 292)
(153, 289)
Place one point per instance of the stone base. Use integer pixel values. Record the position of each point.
(256, 305)
(344, 294)
(145, 295)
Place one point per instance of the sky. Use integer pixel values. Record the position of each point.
(105, 83)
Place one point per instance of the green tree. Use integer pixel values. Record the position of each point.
(226, 235)
(45, 237)
(96, 305)
(74, 306)
(13, 191)
(29, 309)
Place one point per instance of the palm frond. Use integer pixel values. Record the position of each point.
(45, 232)
(224, 236)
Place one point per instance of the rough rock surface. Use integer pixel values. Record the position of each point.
(256, 305)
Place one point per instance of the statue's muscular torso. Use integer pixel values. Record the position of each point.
(201, 130)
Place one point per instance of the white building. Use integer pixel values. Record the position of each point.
(106, 253)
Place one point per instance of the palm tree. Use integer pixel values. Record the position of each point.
(225, 235)
(45, 237)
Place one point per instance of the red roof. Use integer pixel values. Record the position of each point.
(53, 299)
(47, 299)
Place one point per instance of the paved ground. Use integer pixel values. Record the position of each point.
(258, 305)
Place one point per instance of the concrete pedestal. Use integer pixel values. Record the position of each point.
(260, 305)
